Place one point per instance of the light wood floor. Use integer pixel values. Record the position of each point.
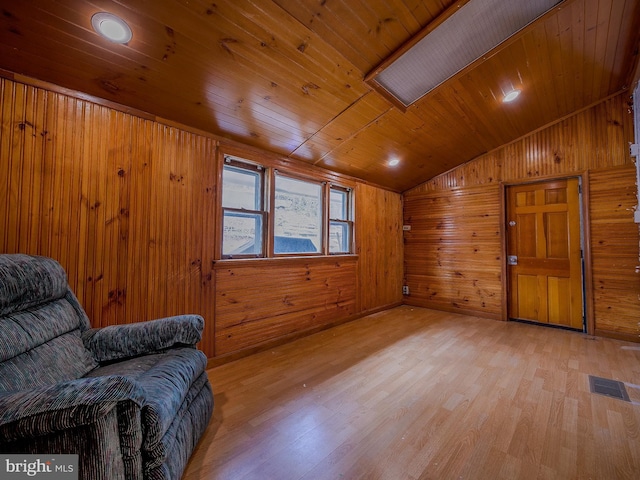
(411, 393)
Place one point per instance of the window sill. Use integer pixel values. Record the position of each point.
(289, 260)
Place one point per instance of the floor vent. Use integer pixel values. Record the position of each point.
(610, 388)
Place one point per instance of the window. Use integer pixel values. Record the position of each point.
(340, 225)
(243, 215)
(267, 213)
(297, 216)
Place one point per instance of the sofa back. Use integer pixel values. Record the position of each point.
(41, 323)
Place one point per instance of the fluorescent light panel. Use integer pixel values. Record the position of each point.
(471, 32)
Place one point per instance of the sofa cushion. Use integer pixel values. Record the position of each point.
(29, 281)
(165, 378)
(40, 320)
(116, 342)
(32, 338)
(170, 456)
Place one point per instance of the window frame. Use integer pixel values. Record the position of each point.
(269, 167)
(239, 165)
(322, 224)
(347, 222)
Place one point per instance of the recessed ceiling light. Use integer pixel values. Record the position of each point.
(111, 27)
(511, 96)
(393, 162)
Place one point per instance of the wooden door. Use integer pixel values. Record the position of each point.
(544, 256)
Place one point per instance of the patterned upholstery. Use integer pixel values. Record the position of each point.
(131, 400)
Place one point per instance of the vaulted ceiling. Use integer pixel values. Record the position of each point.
(288, 76)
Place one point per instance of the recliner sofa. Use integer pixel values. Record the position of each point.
(131, 400)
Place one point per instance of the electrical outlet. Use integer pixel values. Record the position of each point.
(405, 289)
(406, 228)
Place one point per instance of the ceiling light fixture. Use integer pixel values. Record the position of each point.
(511, 96)
(465, 33)
(111, 27)
(393, 162)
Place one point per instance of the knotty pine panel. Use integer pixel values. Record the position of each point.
(597, 137)
(365, 33)
(288, 76)
(379, 246)
(128, 206)
(121, 202)
(614, 251)
(262, 300)
(439, 260)
(452, 252)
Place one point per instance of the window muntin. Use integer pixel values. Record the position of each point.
(340, 225)
(339, 237)
(242, 188)
(266, 213)
(298, 208)
(243, 215)
(339, 203)
(242, 234)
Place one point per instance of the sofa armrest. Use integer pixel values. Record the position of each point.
(123, 341)
(52, 408)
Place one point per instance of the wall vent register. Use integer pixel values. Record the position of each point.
(610, 388)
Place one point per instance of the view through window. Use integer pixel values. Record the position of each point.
(339, 221)
(243, 215)
(297, 216)
(302, 217)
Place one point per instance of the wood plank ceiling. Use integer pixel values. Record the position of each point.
(287, 76)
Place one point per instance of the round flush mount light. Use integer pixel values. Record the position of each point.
(111, 27)
(511, 96)
(393, 162)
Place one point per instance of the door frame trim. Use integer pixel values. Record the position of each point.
(585, 224)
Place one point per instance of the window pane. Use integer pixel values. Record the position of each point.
(241, 188)
(339, 238)
(298, 216)
(242, 234)
(338, 207)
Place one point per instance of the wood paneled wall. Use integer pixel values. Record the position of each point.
(121, 202)
(614, 252)
(379, 238)
(258, 301)
(453, 250)
(455, 244)
(594, 138)
(128, 207)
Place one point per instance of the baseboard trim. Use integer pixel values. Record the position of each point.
(461, 311)
(628, 337)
